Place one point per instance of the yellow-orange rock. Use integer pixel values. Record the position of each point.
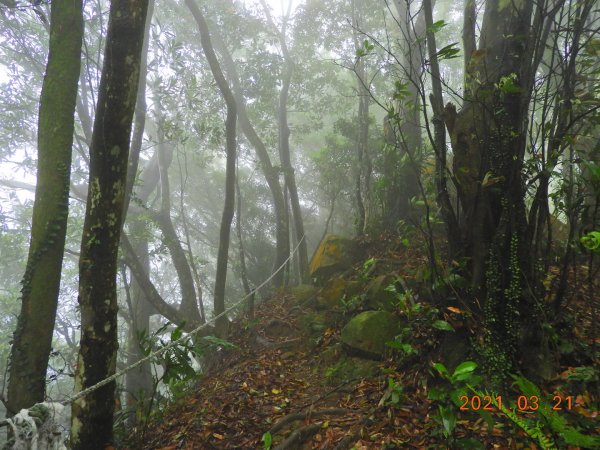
(334, 254)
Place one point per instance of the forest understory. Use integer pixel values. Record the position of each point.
(280, 387)
(165, 165)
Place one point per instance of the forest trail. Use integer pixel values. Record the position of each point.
(281, 383)
(276, 385)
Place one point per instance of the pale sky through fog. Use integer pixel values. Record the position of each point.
(278, 8)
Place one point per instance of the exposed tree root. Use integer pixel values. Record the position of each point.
(298, 437)
(306, 415)
(346, 442)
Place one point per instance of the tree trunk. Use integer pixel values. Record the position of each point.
(284, 142)
(221, 324)
(242, 252)
(270, 172)
(488, 142)
(32, 340)
(403, 159)
(138, 382)
(189, 301)
(92, 416)
(363, 164)
(438, 139)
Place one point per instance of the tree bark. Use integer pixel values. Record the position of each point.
(221, 324)
(32, 340)
(439, 138)
(138, 383)
(362, 169)
(270, 172)
(92, 416)
(488, 141)
(284, 143)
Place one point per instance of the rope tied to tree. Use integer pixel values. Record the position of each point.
(176, 342)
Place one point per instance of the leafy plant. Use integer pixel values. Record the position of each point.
(352, 303)
(533, 431)
(544, 416)
(448, 399)
(393, 394)
(267, 440)
(591, 241)
(557, 422)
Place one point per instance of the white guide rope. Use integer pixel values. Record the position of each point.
(172, 344)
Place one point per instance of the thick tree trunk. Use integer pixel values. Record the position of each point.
(139, 121)
(92, 416)
(138, 382)
(488, 142)
(32, 340)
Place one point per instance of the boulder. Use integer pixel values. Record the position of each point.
(378, 296)
(303, 292)
(366, 334)
(332, 293)
(350, 369)
(334, 254)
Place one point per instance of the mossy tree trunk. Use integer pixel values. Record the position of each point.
(139, 382)
(33, 337)
(488, 142)
(92, 415)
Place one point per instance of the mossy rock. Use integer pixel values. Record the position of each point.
(377, 295)
(351, 368)
(314, 322)
(332, 293)
(334, 254)
(331, 355)
(303, 292)
(366, 334)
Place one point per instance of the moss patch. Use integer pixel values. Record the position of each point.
(366, 334)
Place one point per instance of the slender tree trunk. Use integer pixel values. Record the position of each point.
(439, 138)
(92, 416)
(221, 324)
(138, 382)
(363, 169)
(243, 270)
(290, 178)
(270, 172)
(189, 301)
(284, 142)
(403, 162)
(32, 340)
